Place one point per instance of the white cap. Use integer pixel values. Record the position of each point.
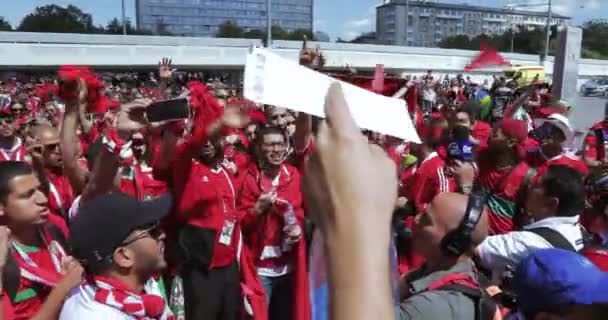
(562, 123)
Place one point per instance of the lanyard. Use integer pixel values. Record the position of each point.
(57, 198)
(233, 192)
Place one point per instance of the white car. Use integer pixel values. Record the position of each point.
(595, 88)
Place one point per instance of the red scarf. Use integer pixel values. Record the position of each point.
(14, 154)
(31, 271)
(149, 305)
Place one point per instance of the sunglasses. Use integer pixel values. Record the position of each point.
(138, 142)
(154, 232)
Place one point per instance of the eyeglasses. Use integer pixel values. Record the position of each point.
(153, 232)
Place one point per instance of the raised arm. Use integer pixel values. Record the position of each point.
(117, 145)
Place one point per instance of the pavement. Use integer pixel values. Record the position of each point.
(586, 112)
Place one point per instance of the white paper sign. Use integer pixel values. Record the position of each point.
(270, 79)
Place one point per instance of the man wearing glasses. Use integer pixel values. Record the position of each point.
(555, 136)
(11, 147)
(120, 245)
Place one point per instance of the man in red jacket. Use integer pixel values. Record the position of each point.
(209, 223)
(596, 143)
(272, 224)
(503, 175)
(430, 177)
(480, 131)
(555, 134)
(47, 158)
(11, 147)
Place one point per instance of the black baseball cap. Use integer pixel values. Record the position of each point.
(104, 222)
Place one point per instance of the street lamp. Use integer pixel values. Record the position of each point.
(268, 25)
(124, 19)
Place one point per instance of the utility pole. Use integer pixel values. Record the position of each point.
(124, 19)
(548, 35)
(407, 21)
(268, 24)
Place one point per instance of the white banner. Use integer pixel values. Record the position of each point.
(270, 79)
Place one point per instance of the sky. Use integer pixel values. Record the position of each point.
(338, 18)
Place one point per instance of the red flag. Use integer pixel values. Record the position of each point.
(378, 83)
(487, 56)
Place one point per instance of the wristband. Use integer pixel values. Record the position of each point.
(117, 146)
(466, 187)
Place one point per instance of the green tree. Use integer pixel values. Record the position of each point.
(54, 18)
(255, 34)
(594, 39)
(279, 33)
(115, 27)
(230, 29)
(5, 25)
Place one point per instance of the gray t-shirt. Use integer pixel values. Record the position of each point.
(438, 304)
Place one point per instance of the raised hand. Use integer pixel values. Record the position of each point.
(5, 234)
(348, 182)
(165, 72)
(132, 116)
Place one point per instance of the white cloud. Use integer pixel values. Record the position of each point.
(359, 23)
(320, 23)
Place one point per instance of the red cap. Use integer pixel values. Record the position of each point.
(516, 129)
(257, 116)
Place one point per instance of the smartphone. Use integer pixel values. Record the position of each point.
(173, 109)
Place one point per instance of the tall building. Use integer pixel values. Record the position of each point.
(203, 17)
(425, 24)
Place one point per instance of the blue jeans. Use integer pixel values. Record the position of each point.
(279, 296)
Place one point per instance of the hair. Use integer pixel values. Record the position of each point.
(565, 184)
(471, 108)
(8, 171)
(262, 131)
(99, 267)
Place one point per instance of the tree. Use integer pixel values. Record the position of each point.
(255, 34)
(54, 18)
(229, 29)
(279, 33)
(5, 25)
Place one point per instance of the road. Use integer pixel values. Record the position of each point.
(586, 112)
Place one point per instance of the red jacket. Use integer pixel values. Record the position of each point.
(481, 131)
(138, 182)
(535, 159)
(592, 150)
(428, 181)
(60, 194)
(264, 234)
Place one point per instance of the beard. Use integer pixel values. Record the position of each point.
(498, 149)
(149, 264)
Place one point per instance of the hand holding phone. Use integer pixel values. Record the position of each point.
(173, 109)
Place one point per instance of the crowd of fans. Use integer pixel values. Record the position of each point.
(106, 215)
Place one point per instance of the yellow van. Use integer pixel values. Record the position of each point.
(525, 75)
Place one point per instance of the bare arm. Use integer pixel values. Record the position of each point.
(103, 176)
(84, 122)
(72, 169)
(54, 301)
(303, 133)
(517, 104)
